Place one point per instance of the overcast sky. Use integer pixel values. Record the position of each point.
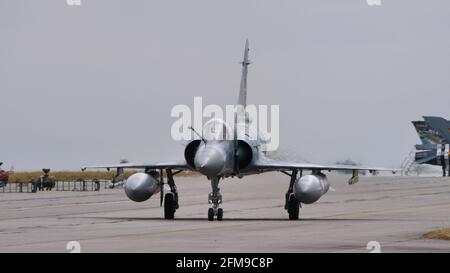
(95, 83)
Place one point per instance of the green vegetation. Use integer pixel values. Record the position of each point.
(443, 234)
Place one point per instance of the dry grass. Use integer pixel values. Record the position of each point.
(443, 234)
(72, 176)
(63, 176)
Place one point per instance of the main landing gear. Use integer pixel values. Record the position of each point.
(170, 198)
(444, 168)
(292, 205)
(445, 162)
(215, 198)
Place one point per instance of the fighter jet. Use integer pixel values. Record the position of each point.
(434, 133)
(237, 156)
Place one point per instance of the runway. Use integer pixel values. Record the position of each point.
(394, 211)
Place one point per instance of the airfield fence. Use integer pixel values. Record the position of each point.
(79, 185)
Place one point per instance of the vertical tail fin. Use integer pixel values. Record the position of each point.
(239, 115)
(242, 100)
(434, 130)
(426, 135)
(441, 126)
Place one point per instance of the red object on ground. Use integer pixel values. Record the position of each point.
(4, 176)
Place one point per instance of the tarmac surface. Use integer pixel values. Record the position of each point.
(393, 211)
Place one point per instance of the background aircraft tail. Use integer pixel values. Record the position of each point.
(426, 134)
(433, 130)
(441, 126)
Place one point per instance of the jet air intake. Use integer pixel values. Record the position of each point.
(141, 186)
(190, 151)
(244, 154)
(309, 188)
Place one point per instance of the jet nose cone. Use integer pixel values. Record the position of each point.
(210, 161)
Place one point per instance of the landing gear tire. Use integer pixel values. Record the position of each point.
(293, 208)
(210, 214)
(220, 214)
(169, 206)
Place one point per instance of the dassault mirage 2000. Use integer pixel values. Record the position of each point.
(237, 156)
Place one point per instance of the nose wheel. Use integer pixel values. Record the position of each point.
(211, 214)
(218, 214)
(215, 198)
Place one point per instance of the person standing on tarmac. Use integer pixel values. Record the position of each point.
(4, 176)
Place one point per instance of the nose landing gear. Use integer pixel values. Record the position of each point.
(215, 198)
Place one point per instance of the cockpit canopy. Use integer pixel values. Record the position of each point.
(217, 129)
